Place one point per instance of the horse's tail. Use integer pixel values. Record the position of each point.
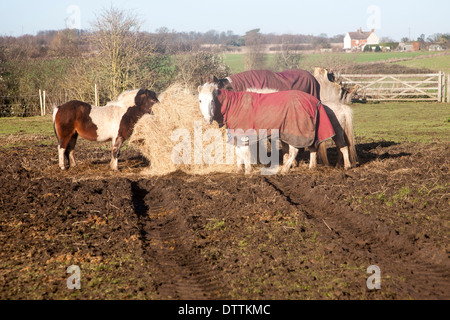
(55, 111)
(350, 135)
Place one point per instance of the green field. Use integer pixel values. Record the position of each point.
(309, 61)
(441, 63)
(402, 122)
(41, 126)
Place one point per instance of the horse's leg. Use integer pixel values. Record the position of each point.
(61, 157)
(343, 152)
(285, 151)
(247, 160)
(312, 157)
(243, 158)
(239, 159)
(70, 150)
(293, 152)
(115, 152)
(63, 154)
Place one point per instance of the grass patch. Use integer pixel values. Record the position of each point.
(311, 60)
(402, 122)
(441, 63)
(41, 126)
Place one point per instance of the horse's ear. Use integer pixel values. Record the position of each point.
(213, 79)
(140, 97)
(199, 89)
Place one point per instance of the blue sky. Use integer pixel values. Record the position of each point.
(393, 18)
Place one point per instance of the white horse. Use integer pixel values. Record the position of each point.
(334, 96)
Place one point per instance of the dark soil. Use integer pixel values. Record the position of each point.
(305, 235)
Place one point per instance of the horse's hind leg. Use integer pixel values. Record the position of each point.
(287, 165)
(243, 157)
(70, 150)
(312, 157)
(62, 157)
(343, 152)
(63, 152)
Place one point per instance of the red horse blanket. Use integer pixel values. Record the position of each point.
(300, 118)
(281, 81)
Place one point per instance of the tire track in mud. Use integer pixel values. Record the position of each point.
(167, 245)
(365, 238)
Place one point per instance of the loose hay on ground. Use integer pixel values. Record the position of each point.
(178, 109)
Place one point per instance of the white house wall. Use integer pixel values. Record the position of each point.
(373, 39)
(347, 41)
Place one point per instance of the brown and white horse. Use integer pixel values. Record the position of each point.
(113, 122)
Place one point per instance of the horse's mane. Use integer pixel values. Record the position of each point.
(125, 99)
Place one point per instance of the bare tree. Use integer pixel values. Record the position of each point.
(254, 57)
(194, 68)
(287, 59)
(121, 51)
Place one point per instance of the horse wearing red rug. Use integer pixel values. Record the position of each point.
(298, 117)
(113, 122)
(300, 80)
(341, 116)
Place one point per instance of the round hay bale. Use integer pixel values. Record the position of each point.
(175, 137)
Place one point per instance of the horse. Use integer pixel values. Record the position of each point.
(299, 118)
(113, 122)
(341, 115)
(334, 96)
(300, 80)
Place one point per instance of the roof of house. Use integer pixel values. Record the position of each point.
(359, 35)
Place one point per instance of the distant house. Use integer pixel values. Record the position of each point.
(359, 39)
(435, 47)
(409, 46)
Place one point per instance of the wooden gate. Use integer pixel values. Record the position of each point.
(398, 87)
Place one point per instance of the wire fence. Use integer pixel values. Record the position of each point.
(40, 104)
(20, 106)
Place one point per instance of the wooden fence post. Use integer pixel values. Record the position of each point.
(43, 109)
(96, 95)
(40, 100)
(440, 87)
(448, 88)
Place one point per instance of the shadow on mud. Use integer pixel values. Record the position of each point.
(369, 152)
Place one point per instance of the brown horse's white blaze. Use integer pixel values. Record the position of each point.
(114, 122)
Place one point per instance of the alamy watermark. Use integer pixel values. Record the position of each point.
(374, 19)
(374, 281)
(74, 281)
(73, 21)
(209, 147)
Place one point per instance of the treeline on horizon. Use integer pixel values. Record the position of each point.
(69, 63)
(116, 56)
(76, 42)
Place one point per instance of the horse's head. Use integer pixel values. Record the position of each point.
(145, 99)
(206, 96)
(331, 88)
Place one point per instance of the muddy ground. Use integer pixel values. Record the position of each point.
(305, 235)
